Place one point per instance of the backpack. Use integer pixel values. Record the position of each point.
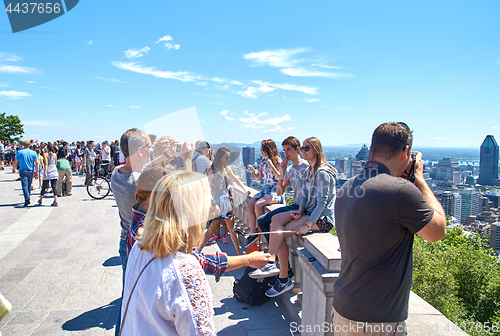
(252, 291)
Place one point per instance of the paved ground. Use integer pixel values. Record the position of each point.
(59, 267)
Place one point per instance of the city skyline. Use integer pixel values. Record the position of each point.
(333, 70)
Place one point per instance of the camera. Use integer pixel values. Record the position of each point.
(411, 173)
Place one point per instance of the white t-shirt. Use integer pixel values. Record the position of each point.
(121, 157)
(104, 155)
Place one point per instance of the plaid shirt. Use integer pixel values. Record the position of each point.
(212, 264)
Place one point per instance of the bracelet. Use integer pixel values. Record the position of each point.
(309, 227)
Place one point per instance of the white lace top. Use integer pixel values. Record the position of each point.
(172, 296)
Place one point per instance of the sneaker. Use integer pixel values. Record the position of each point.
(69, 194)
(250, 240)
(26, 203)
(224, 240)
(39, 202)
(215, 238)
(54, 204)
(279, 288)
(269, 270)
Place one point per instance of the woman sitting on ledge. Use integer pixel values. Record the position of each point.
(315, 213)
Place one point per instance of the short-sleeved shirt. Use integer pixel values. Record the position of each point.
(124, 186)
(268, 178)
(90, 155)
(376, 217)
(298, 176)
(26, 158)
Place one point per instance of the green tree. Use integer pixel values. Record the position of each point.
(459, 276)
(11, 128)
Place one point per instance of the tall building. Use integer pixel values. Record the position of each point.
(447, 202)
(495, 236)
(470, 204)
(448, 169)
(457, 207)
(363, 154)
(248, 156)
(341, 165)
(488, 162)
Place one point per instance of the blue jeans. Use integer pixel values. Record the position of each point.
(264, 221)
(26, 178)
(124, 258)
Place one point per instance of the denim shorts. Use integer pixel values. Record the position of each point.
(268, 191)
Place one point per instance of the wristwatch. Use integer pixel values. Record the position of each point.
(166, 155)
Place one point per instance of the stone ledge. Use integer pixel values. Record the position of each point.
(325, 249)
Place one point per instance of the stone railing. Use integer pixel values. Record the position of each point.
(316, 259)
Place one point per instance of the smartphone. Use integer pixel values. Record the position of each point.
(178, 148)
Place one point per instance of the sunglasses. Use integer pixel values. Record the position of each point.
(409, 131)
(305, 148)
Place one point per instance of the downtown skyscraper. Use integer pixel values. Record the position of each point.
(488, 162)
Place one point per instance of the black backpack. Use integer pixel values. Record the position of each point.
(252, 291)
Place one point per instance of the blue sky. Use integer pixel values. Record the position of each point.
(258, 70)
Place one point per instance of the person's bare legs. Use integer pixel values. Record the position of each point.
(234, 237)
(214, 226)
(283, 222)
(252, 220)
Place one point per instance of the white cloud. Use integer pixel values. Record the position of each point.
(291, 65)
(165, 38)
(498, 62)
(311, 100)
(224, 114)
(32, 82)
(254, 122)
(327, 66)
(301, 72)
(251, 92)
(278, 129)
(340, 107)
(50, 123)
(15, 69)
(290, 87)
(112, 80)
(48, 87)
(169, 45)
(136, 53)
(110, 105)
(225, 80)
(90, 42)
(133, 107)
(440, 138)
(183, 76)
(4, 85)
(14, 94)
(494, 127)
(7, 57)
(277, 58)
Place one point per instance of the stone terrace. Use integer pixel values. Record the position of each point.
(59, 267)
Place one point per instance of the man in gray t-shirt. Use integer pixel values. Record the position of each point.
(377, 214)
(89, 159)
(294, 175)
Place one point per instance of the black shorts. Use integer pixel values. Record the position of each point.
(2, 157)
(324, 225)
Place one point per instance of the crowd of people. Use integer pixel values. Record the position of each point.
(172, 198)
(54, 163)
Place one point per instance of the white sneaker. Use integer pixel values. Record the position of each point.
(269, 270)
(279, 288)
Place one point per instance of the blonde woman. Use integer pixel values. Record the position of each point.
(315, 213)
(270, 175)
(166, 291)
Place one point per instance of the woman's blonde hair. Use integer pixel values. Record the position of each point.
(316, 145)
(178, 211)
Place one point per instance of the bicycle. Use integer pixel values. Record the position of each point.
(100, 186)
